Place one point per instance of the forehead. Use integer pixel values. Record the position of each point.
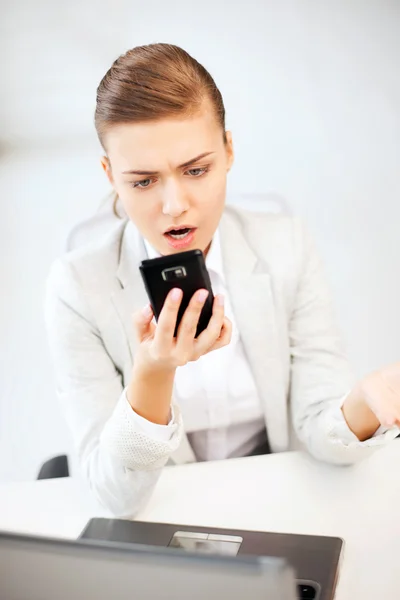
(164, 143)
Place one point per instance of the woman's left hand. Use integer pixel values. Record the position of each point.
(374, 401)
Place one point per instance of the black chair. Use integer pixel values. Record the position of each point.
(54, 467)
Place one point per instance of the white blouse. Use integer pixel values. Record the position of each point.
(216, 394)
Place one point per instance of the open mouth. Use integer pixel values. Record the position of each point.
(179, 234)
(180, 237)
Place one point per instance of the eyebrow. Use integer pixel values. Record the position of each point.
(185, 164)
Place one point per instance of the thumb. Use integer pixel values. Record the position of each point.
(142, 322)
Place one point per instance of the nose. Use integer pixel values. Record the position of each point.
(174, 201)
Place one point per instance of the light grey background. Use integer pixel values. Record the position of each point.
(312, 92)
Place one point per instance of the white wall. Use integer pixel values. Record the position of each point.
(312, 92)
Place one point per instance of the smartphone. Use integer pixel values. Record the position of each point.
(184, 270)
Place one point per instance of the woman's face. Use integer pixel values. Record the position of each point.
(171, 178)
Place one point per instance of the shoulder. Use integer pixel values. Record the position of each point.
(271, 236)
(92, 265)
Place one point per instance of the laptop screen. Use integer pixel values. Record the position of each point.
(44, 569)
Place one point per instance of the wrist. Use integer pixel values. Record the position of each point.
(150, 391)
(359, 417)
(144, 368)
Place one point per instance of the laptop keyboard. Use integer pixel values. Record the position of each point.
(306, 592)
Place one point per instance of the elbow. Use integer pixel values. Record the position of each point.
(113, 503)
(117, 502)
(331, 455)
(334, 450)
(122, 492)
(324, 446)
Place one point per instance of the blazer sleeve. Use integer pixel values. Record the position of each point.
(120, 459)
(320, 374)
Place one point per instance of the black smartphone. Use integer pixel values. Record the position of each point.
(184, 270)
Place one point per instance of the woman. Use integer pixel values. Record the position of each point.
(135, 396)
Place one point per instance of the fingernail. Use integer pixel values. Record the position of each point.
(176, 294)
(147, 311)
(220, 300)
(202, 295)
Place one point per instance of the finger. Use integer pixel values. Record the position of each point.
(392, 391)
(165, 329)
(387, 408)
(225, 337)
(142, 323)
(210, 335)
(188, 325)
(391, 374)
(388, 422)
(388, 418)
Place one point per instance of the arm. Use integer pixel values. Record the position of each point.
(120, 460)
(122, 436)
(321, 380)
(374, 403)
(359, 417)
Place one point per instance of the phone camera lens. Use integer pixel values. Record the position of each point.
(173, 273)
(307, 592)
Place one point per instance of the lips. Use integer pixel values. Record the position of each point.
(181, 236)
(178, 228)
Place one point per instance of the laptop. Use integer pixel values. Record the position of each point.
(38, 568)
(315, 559)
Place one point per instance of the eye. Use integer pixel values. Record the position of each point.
(197, 172)
(144, 183)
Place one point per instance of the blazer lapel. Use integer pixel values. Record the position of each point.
(132, 297)
(249, 285)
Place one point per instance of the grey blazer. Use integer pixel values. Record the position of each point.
(283, 310)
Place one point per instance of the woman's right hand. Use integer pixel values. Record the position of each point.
(159, 350)
(159, 353)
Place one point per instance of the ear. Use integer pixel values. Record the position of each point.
(230, 155)
(105, 163)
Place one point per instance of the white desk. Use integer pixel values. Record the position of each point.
(285, 492)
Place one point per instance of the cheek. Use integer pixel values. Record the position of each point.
(139, 210)
(213, 189)
(213, 195)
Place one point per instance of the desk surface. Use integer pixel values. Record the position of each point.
(283, 492)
